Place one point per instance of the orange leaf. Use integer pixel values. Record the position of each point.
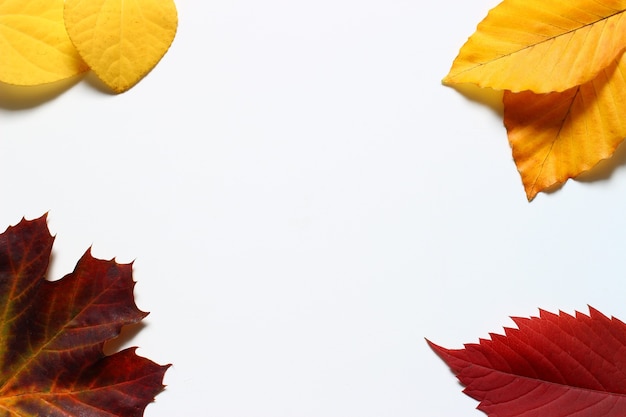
(542, 45)
(557, 136)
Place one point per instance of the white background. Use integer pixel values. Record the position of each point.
(305, 202)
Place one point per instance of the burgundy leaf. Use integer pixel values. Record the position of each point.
(52, 334)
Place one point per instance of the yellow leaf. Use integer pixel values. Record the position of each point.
(121, 40)
(542, 45)
(557, 136)
(34, 45)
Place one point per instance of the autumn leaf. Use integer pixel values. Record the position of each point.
(562, 69)
(53, 334)
(542, 45)
(42, 41)
(551, 365)
(34, 44)
(557, 136)
(121, 40)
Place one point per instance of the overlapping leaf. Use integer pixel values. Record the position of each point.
(53, 333)
(551, 365)
(42, 41)
(557, 136)
(121, 40)
(34, 44)
(542, 46)
(561, 66)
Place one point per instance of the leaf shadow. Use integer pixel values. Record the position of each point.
(604, 169)
(97, 84)
(486, 96)
(126, 335)
(19, 97)
(552, 189)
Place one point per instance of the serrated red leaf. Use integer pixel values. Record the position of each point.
(52, 334)
(554, 365)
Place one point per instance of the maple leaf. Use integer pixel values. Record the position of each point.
(121, 40)
(551, 365)
(52, 361)
(562, 69)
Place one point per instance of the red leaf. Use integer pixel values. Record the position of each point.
(550, 366)
(52, 334)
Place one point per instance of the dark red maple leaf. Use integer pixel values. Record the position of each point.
(52, 334)
(550, 366)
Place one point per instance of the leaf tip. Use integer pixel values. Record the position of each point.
(438, 350)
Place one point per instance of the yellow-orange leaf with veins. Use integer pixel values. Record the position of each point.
(542, 45)
(121, 40)
(34, 45)
(557, 136)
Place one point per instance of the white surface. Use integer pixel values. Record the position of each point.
(305, 203)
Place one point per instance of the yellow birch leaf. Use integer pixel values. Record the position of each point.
(121, 40)
(542, 45)
(34, 44)
(557, 136)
